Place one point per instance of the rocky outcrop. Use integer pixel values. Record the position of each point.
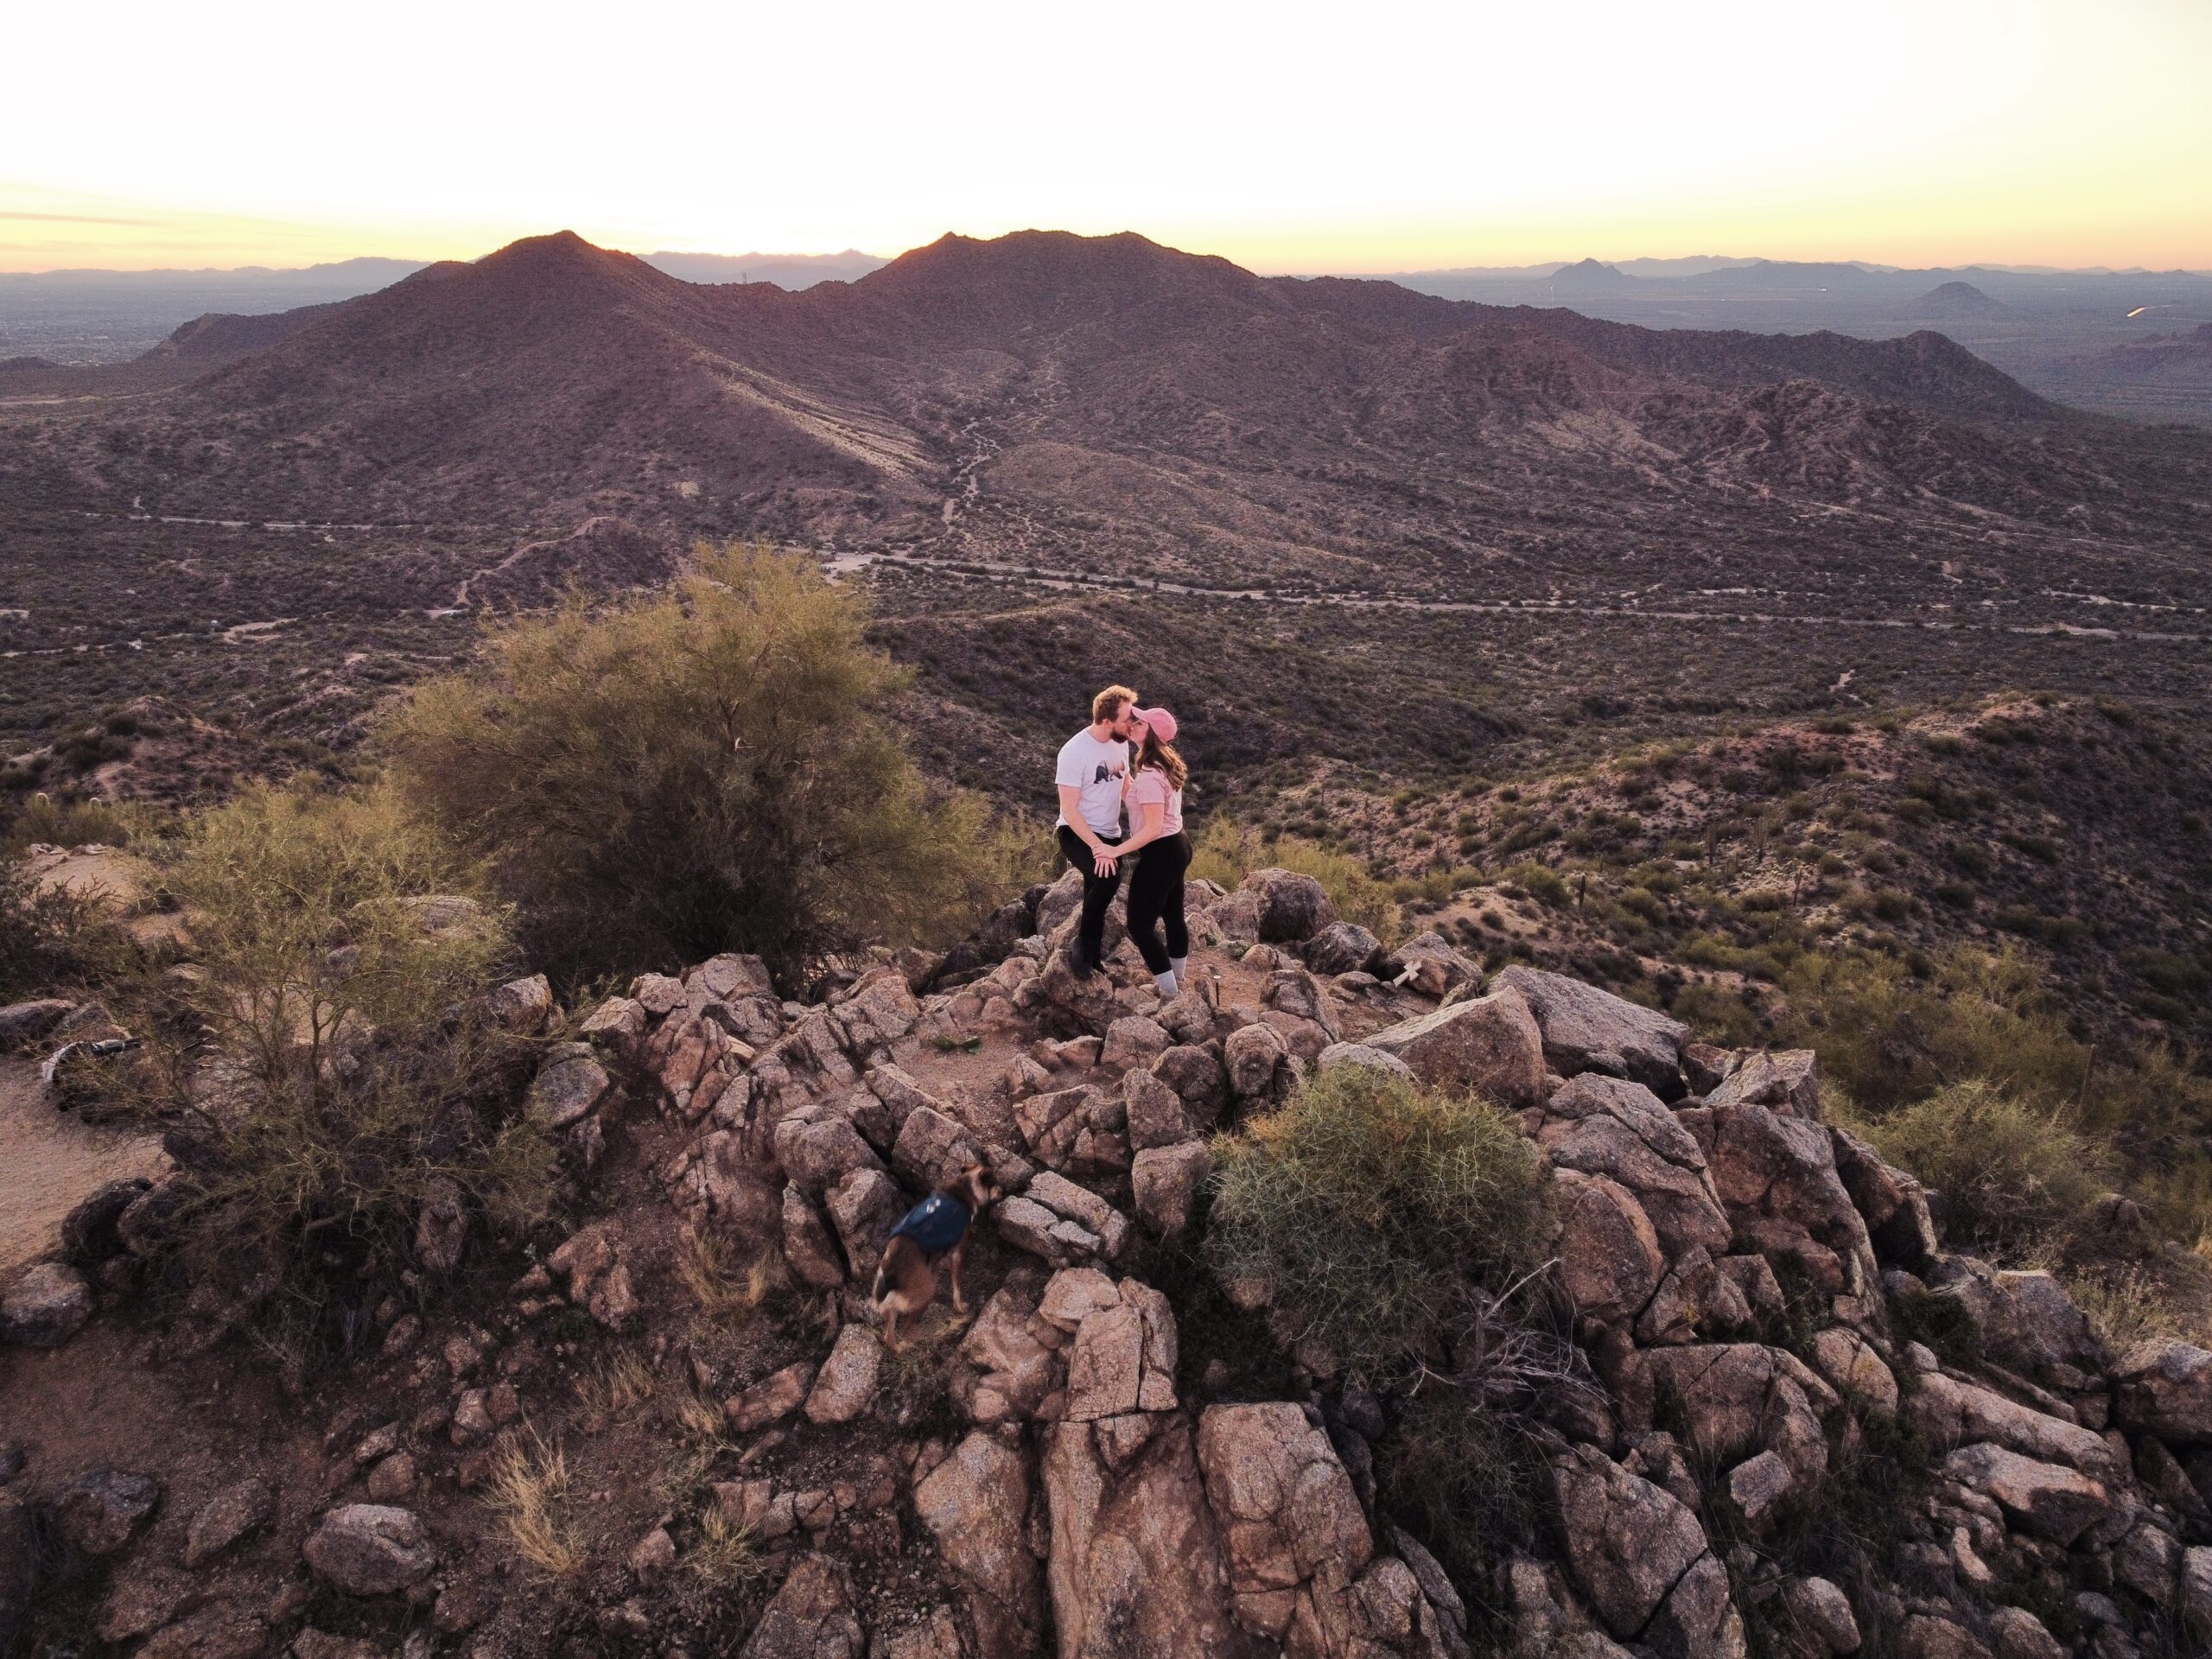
(1586, 1029)
(975, 1505)
(1490, 1046)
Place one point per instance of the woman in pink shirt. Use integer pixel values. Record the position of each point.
(1155, 794)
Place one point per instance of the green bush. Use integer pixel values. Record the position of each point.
(1378, 1210)
(331, 1063)
(2018, 1176)
(704, 769)
(1227, 851)
(71, 823)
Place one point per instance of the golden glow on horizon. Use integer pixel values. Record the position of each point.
(1907, 131)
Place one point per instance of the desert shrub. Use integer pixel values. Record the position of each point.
(1383, 1212)
(49, 937)
(1892, 1037)
(1227, 851)
(67, 823)
(707, 768)
(1540, 881)
(1467, 1480)
(331, 1066)
(2018, 1176)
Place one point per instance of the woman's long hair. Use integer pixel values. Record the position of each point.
(1162, 755)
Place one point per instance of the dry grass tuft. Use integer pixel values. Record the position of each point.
(616, 1385)
(529, 1493)
(726, 1291)
(727, 1554)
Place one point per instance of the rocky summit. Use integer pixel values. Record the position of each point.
(677, 1429)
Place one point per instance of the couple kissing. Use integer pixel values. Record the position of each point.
(1125, 761)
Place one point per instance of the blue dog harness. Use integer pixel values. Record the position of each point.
(935, 1225)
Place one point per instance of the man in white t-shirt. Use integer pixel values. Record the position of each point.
(1094, 765)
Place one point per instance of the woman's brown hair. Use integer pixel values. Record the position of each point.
(1162, 755)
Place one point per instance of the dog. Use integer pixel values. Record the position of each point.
(935, 1228)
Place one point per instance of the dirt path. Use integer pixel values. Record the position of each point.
(49, 1161)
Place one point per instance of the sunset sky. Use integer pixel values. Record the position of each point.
(1389, 137)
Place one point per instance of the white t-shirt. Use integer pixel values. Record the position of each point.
(1097, 770)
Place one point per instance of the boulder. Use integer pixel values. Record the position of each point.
(1893, 1205)
(777, 1394)
(810, 1616)
(88, 1232)
(1362, 1054)
(2018, 1633)
(1610, 1259)
(1788, 1084)
(1155, 1115)
(23, 1024)
(619, 1023)
(570, 1083)
(1256, 1057)
(1855, 1371)
(1776, 1176)
(1061, 1222)
(100, 1512)
(932, 1149)
(2046, 1499)
(976, 1505)
(1738, 1399)
(1696, 1300)
(1586, 1029)
(1294, 1531)
(2164, 1388)
(818, 1149)
(877, 1011)
(1134, 1040)
(809, 1251)
(371, 1549)
(1341, 948)
(522, 1005)
(1196, 1073)
(1136, 1567)
(1609, 1126)
(1950, 1409)
(1489, 1046)
(237, 1510)
(846, 1385)
(48, 1303)
(1822, 1612)
(2196, 1591)
(1165, 1182)
(864, 1207)
(1429, 964)
(1292, 908)
(1630, 1544)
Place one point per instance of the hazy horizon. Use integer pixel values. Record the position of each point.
(1914, 133)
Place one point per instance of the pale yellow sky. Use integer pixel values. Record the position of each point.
(1388, 138)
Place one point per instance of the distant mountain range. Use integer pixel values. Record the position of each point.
(1121, 397)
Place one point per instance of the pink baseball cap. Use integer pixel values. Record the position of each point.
(1159, 723)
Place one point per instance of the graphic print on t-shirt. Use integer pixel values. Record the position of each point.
(1097, 769)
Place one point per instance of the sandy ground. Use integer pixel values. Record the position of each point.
(49, 1161)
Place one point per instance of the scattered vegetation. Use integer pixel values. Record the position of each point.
(529, 1491)
(705, 768)
(1385, 1215)
(2014, 1177)
(330, 1061)
(1227, 851)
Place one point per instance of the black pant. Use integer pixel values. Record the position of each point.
(1156, 896)
(1098, 892)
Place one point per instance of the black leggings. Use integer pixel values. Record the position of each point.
(1156, 896)
(1097, 894)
